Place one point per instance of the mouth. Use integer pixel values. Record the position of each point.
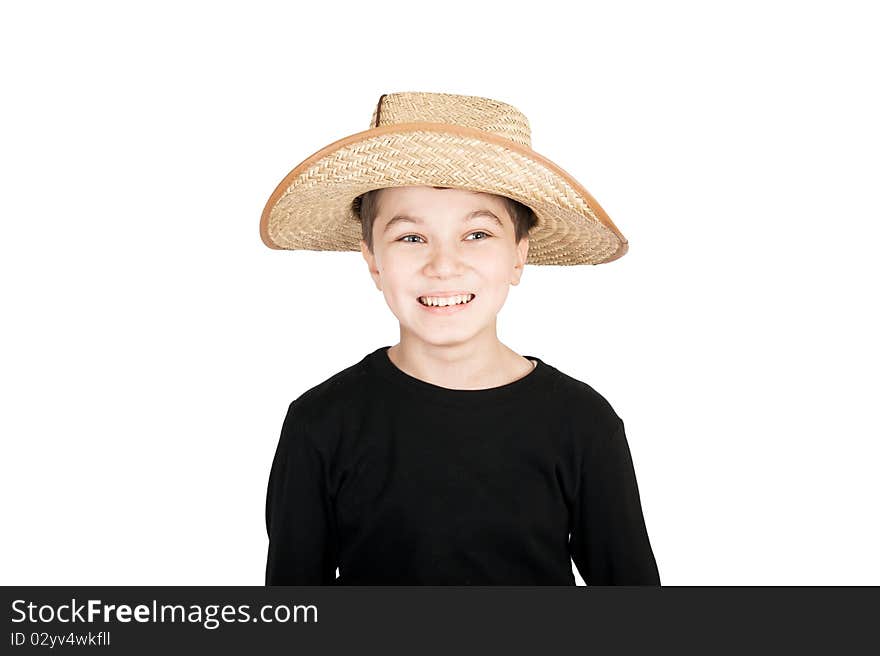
(446, 302)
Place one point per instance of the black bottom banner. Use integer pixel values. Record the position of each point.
(266, 620)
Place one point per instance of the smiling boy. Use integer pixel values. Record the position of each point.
(448, 458)
(441, 243)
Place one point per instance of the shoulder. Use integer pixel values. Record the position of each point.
(324, 409)
(333, 395)
(583, 405)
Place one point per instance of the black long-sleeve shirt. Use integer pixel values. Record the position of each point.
(397, 481)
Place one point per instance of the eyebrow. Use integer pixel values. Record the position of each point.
(401, 218)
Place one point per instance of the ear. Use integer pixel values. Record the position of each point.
(370, 259)
(522, 253)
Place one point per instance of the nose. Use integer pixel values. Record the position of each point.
(442, 261)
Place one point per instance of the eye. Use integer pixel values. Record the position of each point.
(477, 232)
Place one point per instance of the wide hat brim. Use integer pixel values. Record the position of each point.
(311, 208)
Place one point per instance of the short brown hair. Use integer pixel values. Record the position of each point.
(365, 206)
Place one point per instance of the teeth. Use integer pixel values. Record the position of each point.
(447, 300)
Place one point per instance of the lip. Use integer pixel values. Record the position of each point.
(446, 294)
(449, 309)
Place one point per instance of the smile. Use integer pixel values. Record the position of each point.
(438, 301)
(452, 307)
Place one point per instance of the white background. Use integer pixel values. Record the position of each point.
(151, 343)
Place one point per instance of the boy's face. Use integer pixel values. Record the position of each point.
(444, 251)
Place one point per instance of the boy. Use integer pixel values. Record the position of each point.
(449, 459)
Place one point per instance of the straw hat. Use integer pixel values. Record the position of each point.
(442, 140)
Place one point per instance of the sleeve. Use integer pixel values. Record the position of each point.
(299, 515)
(609, 541)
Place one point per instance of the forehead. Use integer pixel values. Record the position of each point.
(420, 204)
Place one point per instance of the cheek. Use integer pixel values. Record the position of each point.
(498, 278)
(395, 279)
(398, 299)
(494, 298)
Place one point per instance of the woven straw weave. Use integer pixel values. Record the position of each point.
(444, 140)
